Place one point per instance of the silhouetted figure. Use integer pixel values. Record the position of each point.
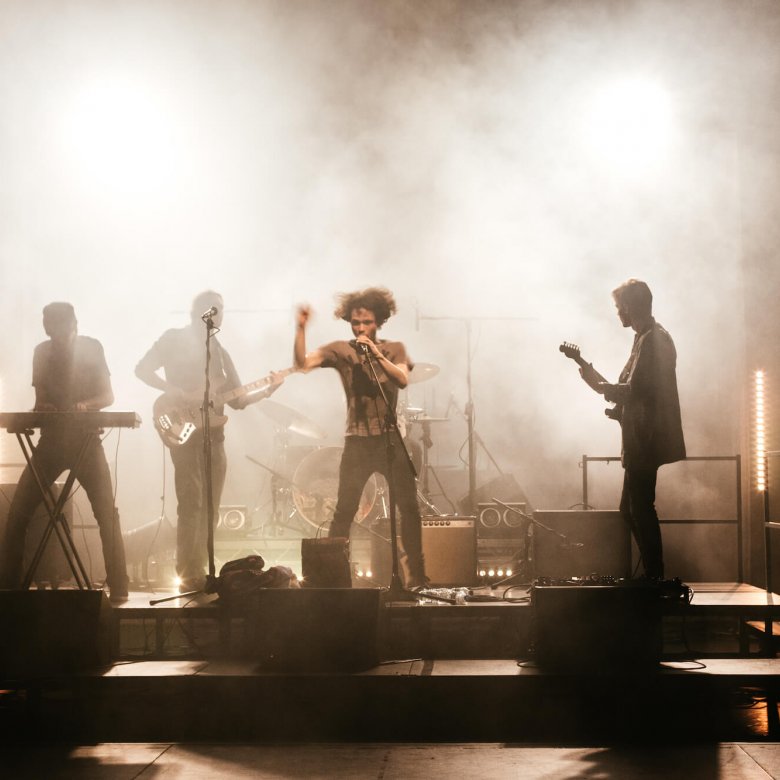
(648, 408)
(181, 354)
(69, 375)
(365, 446)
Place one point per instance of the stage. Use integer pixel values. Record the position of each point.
(431, 672)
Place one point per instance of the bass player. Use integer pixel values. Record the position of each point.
(181, 354)
(648, 408)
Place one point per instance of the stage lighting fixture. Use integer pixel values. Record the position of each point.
(759, 431)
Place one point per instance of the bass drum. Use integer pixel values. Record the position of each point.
(316, 487)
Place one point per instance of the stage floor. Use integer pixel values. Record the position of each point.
(469, 761)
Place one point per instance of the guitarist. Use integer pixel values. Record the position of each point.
(649, 413)
(181, 354)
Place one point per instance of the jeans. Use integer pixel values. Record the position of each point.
(54, 454)
(637, 505)
(364, 455)
(192, 527)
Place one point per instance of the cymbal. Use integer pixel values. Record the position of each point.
(422, 372)
(423, 418)
(291, 420)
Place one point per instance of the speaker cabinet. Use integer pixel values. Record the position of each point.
(314, 629)
(450, 548)
(325, 563)
(50, 631)
(53, 567)
(232, 522)
(597, 628)
(581, 543)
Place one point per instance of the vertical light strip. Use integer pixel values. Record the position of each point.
(759, 431)
(3, 434)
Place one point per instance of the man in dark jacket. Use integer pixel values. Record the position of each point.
(648, 407)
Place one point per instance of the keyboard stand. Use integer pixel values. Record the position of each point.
(54, 506)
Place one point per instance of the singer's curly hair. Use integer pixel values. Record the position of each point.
(378, 300)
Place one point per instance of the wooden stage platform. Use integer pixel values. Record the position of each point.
(442, 673)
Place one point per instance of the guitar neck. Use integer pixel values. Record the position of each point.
(252, 387)
(582, 363)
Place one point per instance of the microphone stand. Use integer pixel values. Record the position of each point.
(211, 578)
(473, 436)
(208, 489)
(396, 591)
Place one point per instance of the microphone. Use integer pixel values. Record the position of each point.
(359, 346)
(209, 313)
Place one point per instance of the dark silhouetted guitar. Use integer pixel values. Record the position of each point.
(590, 375)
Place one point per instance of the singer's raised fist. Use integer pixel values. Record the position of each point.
(302, 315)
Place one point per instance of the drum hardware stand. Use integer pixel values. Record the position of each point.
(473, 437)
(396, 591)
(277, 479)
(424, 492)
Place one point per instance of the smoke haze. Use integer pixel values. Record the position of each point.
(281, 152)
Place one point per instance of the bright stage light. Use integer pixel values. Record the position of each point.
(630, 124)
(120, 135)
(759, 430)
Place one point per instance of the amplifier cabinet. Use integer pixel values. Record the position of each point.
(581, 543)
(450, 547)
(597, 628)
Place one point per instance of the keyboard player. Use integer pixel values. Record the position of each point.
(69, 374)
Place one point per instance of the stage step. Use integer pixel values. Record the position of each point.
(412, 701)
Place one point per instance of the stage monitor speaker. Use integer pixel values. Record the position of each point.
(597, 628)
(591, 542)
(52, 631)
(53, 567)
(450, 548)
(325, 563)
(232, 522)
(314, 630)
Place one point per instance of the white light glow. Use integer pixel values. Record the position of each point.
(119, 134)
(630, 124)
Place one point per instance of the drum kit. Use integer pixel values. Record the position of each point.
(310, 493)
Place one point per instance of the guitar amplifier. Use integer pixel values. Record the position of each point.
(581, 543)
(450, 548)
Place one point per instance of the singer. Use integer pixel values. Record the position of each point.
(180, 353)
(364, 444)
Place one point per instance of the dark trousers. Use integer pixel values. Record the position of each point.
(192, 525)
(364, 455)
(637, 505)
(54, 454)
